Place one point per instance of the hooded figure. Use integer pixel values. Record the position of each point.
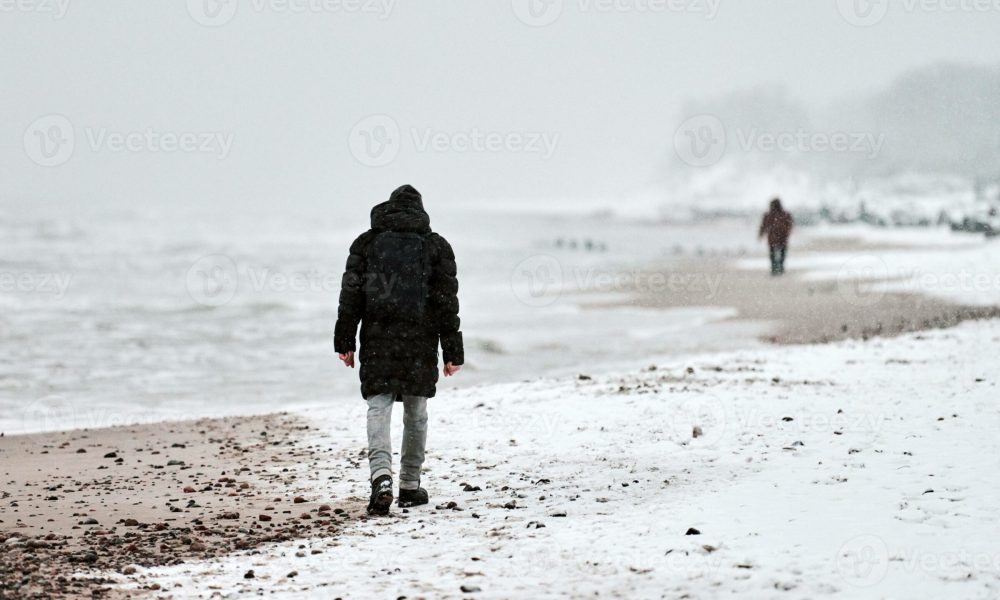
(777, 224)
(401, 286)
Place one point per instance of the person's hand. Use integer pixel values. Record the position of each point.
(450, 369)
(348, 358)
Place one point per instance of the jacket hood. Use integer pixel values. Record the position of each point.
(403, 212)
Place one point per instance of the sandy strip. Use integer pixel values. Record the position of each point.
(801, 311)
(150, 495)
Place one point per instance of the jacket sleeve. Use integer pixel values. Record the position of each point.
(764, 225)
(352, 298)
(444, 299)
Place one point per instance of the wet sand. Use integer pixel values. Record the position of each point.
(801, 311)
(113, 499)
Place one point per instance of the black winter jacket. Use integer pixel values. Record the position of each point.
(398, 353)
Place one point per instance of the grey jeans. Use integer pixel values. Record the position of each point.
(414, 438)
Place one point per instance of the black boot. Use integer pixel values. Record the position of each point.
(381, 498)
(415, 497)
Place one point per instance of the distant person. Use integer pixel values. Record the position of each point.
(401, 286)
(777, 225)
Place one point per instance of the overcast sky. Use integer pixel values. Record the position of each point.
(132, 103)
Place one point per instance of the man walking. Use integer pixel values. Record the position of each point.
(401, 286)
(777, 225)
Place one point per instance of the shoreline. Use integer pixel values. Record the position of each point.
(86, 509)
(700, 477)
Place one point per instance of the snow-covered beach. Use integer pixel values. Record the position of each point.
(680, 299)
(862, 470)
(855, 469)
(859, 468)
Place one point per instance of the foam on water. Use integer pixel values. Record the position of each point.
(117, 318)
